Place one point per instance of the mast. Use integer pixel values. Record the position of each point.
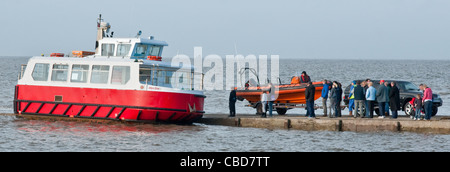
(102, 30)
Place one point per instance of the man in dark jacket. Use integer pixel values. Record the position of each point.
(232, 103)
(310, 97)
(339, 99)
(394, 100)
(382, 98)
(359, 99)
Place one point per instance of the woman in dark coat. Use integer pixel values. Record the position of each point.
(394, 100)
(339, 99)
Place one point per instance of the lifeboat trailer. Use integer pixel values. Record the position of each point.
(290, 96)
(125, 80)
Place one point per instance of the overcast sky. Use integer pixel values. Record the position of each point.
(325, 29)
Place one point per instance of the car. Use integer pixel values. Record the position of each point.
(408, 91)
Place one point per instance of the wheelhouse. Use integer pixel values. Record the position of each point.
(134, 48)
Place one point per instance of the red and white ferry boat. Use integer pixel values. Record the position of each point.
(124, 80)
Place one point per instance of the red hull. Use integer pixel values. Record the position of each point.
(125, 105)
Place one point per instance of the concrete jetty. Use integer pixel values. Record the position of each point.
(438, 125)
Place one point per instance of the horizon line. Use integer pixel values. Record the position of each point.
(289, 58)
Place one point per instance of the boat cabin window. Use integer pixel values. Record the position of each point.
(100, 74)
(120, 75)
(40, 72)
(140, 50)
(108, 49)
(166, 77)
(123, 49)
(145, 75)
(79, 73)
(144, 50)
(155, 50)
(60, 72)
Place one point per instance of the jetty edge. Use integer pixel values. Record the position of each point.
(438, 125)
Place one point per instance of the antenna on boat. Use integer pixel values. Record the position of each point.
(139, 34)
(102, 29)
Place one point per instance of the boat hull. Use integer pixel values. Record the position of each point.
(109, 104)
(287, 94)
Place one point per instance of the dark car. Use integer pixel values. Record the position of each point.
(407, 92)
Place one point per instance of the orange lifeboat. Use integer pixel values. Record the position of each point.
(287, 94)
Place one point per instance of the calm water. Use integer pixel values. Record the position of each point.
(24, 135)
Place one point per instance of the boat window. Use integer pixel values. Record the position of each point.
(123, 49)
(182, 80)
(154, 50)
(100, 74)
(79, 73)
(166, 77)
(140, 50)
(108, 49)
(145, 75)
(60, 72)
(40, 72)
(120, 75)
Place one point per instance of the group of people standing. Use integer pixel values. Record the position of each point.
(363, 94)
(362, 98)
(335, 96)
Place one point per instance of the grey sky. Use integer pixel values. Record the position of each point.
(328, 29)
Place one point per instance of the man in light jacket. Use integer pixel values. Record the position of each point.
(371, 97)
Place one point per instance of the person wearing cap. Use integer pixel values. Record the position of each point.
(305, 78)
(382, 97)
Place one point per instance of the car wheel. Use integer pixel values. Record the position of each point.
(409, 109)
(435, 111)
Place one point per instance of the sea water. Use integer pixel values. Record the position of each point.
(25, 135)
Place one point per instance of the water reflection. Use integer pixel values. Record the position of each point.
(43, 126)
(28, 135)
